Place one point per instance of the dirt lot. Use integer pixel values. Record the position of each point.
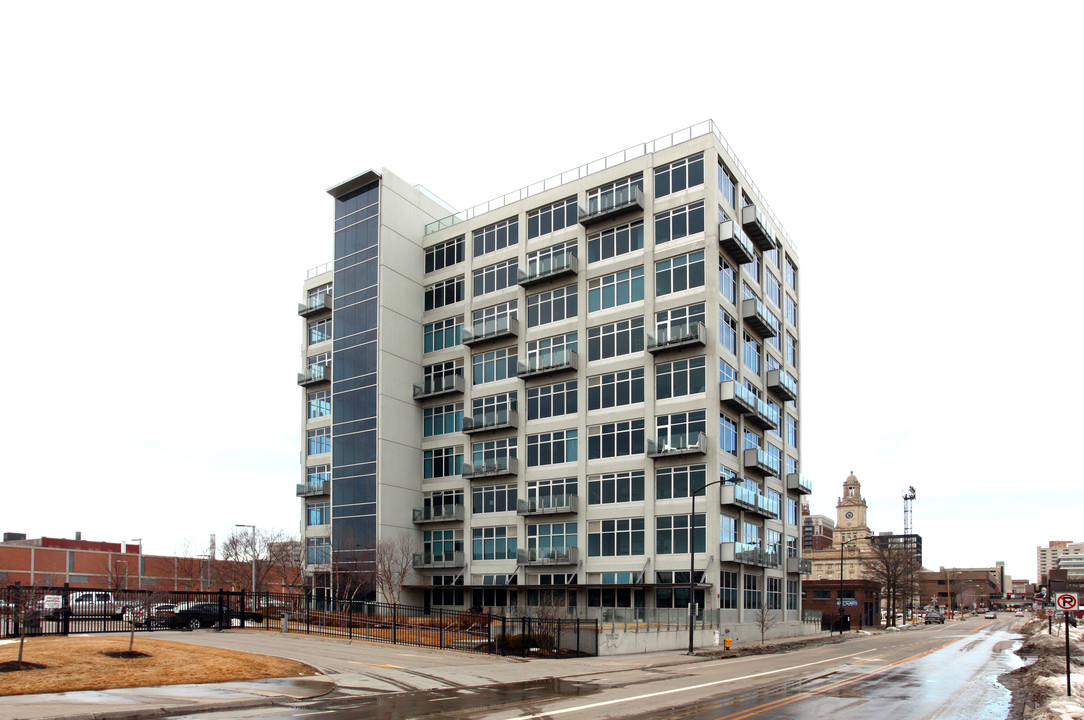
(80, 663)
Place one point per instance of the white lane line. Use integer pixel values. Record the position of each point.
(562, 711)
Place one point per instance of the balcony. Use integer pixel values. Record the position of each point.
(756, 226)
(549, 505)
(491, 329)
(492, 420)
(439, 385)
(798, 484)
(802, 566)
(768, 507)
(549, 267)
(439, 560)
(695, 443)
(497, 467)
(556, 556)
(759, 318)
(315, 305)
(766, 417)
(315, 374)
(317, 488)
(551, 361)
(612, 205)
(747, 554)
(739, 496)
(677, 336)
(737, 397)
(442, 513)
(735, 243)
(783, 384)
(761, 461)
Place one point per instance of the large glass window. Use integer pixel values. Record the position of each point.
(442, 419)
(444, 293)
(496, 236)
(620, 288)
(775, 593)
(792, 431)
(790, 349)
(791, 311)
(615, 339)
(728, 435)
(672, 534)
(443, 334)
(493, 543)
(728, 590)
(727, 284)
(493, 499)
(547, 401)
(679, 175)
(490, 451)
(728, 331)
(556, 216)
(616, 439)
(619, 487)
(442, 462)
(551, 448)
(551, 351)
(496, 277)
(624, 387)
(679, 273)
(679, 378)
(679, 223)
(444, 254)
(678, 482)
(615, 538)
(319, 440)
(615, 241)
(494, 365)
(613, 194)
(679, 430)
(318, 513)
(319, 403)
(549, 539)
(728, 529)
(772, 289)
(319, 330)
(790, 274)
(751, 598)
(751, 353)
(727, 186)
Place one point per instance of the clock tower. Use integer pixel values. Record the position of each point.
(851, 511)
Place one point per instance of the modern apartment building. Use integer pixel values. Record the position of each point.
(1048, 558)
(531, 389)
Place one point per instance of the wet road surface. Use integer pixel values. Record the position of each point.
(947, 672)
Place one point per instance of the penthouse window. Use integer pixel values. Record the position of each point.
(496, 236)
(444, 254)
(679, 223)
(679, 175)
(553, 217)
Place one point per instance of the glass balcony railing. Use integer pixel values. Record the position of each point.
(757, 316)
(735, 243)
(738, 397)
(491, 420)
(548, 267)
(322, 487)
(739, 495)
(747, 554)
(551, 556)
(548, 361)
(762, 461)
(768, 505)
(783, 384)
(439, 385)
(548, 504)
(756, 226)
(315, 304)
(677, 335)
(439, 560)
(797, 483)
(678, 444)
(492, 468)
(440, 513)
(490, 329)
(315, 374)
(612, 203)
(766, 416)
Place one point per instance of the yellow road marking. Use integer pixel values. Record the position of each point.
(397, 667)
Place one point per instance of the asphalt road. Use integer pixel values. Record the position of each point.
(944, 671)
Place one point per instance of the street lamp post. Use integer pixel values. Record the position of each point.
(253, 554)
(692, 555)
(839, 595)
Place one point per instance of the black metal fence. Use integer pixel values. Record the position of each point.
(62, 611)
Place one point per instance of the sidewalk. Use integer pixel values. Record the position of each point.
(357, 668)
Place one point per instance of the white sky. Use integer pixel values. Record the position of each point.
(162, 177)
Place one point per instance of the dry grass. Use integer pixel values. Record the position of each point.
(79, 663)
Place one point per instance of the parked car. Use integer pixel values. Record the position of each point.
(1019, 613)
(194, 615)
(88, 603)
(990, 615)
(934, 616)
(156, 615)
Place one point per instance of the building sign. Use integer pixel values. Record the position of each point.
(847, 602)
(52, 602)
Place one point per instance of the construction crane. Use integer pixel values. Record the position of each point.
(908, 498)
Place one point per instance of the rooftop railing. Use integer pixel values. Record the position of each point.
(693, 131)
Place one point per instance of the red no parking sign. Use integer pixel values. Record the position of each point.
(1065, 601)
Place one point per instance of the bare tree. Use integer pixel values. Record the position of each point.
(393, 562)
(117, 573)
(243, 549)
(28, 611)
(354, 574)
(287, 558)
(764, 619)
(894, 567)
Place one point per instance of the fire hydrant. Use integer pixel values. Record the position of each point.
(726, 641)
